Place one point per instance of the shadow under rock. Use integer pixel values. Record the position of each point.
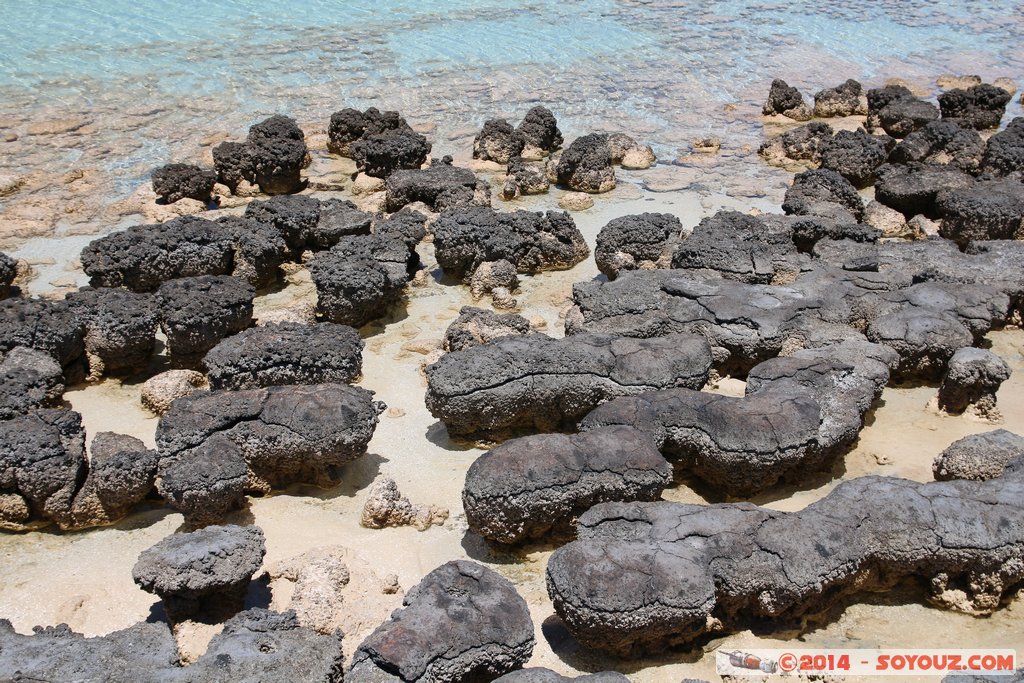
(354, 477)
(437, 434)
(480, 549)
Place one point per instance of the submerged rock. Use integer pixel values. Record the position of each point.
(487, 628)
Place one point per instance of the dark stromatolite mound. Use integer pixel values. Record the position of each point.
(855, 155)
(207, 483)
(979, 456)
(278, 151)
(296, 217)
(8, 271)
(476, 326)
(48, 326)
(817, 187)
(1004, 153)
(537, 383)
(197, 312)
(741, 247)
(46, 477)
(361, 277)
(799, 413)
(903, 115)
(180, 181)
(942, 142)
(259, 249)
(382, 154)
(803, 143)
(120, 328)
(349, 125)
(486, 626)
(786, 100)
(142, 653)
(29, 379)
(530, 240)
(441, 186)
(879, 98)
(204, 570)
(987, 210)
(143, 256)
(842, 100)
(408, 226)
(539, 129)
(233, 162)
(914, 188)
(338, 218)
(522, 178)
(639, 241)
(586, 166)
(981, 106)
(645, 576)
(973, 376)
(283, 435)
(498, 141)
(526, 487)
(542, 675)
(286, 353)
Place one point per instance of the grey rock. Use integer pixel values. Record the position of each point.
(1004, 154)
(121, 474)
(942, 142)
(842, 100)
(803, 143)
(539, 129)
(879, 98)
(914, 189)
(987, 210)
(645, 240)
(338, 218)
(979, 456)
(534, 382)
(498, 141)
(8, 271)
(476, 326)
(29, 379)
(48, 326)
(586, 166)
(531, 241)
(382, 154)
(441, 186)
(855, 155)
(981, 106)
(259, 248)
(822, 186)
(973, 376)
(782, 98)
(487, 627)
(286, 353)
(349, 125)
(120, 328)
(902, 116)
(234, 163)
(278, 151)
(296, 217)
(523, 179)
(207, 570)
(197, 312)
(526, 487)
(179, 181)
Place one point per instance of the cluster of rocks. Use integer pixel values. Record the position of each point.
(379, 142)
(385, 507)
(588, 164)
(537, 136)
(272, 157)
(440, 186)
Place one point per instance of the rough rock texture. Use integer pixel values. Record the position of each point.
(979, 456)
(813, 188)
(987, 210)
(381, 154)
(476, 326)
(842, 100)
(259, 249)
(942, 142)
(539, 129)
(1004, 153)
(526, 487)
(441, 186)
(385, 507)
(407, 225)
(286, 353)
(47, 478)
(855, 155)
(234, 164)
(644, 576)
(914, 189)
(338, 218)
(542, 675)
(159, 391)
(29, 379)
(120, 328)
(786, 100)
(205, 570)
(798, 414)
(586, 166)
(8, 271)
(493, 277)
(278, 151)
(879, 98)
(359, 278)
(296, 217)
(902, 116)
(523, 179)
(973, 376)
(180, 181)
(197, 312)
(530, 240)
(534, 382)
(487, 628)
(48, 326)
(498, 141)
(143, 256)
(216, 445)
(803, 143)
(143, 653)
(639, 241)
(981, 106)
(348, 125)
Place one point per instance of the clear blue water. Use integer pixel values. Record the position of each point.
(659, 68)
